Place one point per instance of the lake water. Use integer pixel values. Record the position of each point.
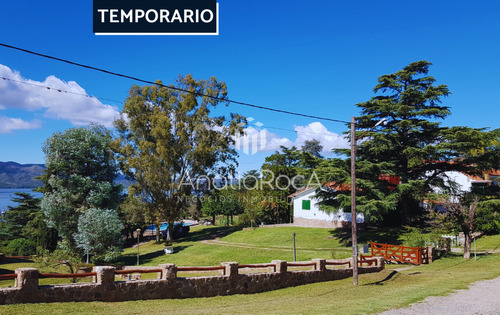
(6, 194)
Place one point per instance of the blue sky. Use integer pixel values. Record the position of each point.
(316, 57)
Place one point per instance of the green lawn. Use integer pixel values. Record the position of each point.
(376, 292)
(488, 243)
(258, 245)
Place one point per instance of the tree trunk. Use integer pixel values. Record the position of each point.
(213, 219)
(467, 243)
(231, 219)
(227, 220)
(158, 238)
(170, 232)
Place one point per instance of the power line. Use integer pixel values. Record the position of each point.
(112, 100)
(171, 87)
(61, 90)
(295, 131)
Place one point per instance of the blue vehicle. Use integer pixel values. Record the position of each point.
(180, 229)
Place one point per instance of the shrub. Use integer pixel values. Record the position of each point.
(99, 231)
(488, 217)
(21, 247)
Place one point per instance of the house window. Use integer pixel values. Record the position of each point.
(306, 204)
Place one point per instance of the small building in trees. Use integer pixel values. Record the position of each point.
(459, 183)
(306, 210)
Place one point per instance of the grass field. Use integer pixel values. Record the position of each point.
(376, 292)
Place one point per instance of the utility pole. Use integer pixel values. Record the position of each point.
(294, 252)
(354, 227)
(353, 205)
(138, 231)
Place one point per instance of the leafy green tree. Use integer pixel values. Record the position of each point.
(36, 230)
(133, 212)
(15, 218)
(464, 217)
(211, 207)
(250, 179)
(24, 226)
(100, 231)
(80, 175)
(230, 203)
(280, 179)
(412, 147)
(168, 140)
(21, 247)
(224, 202)
(313, 147)
(488, 216)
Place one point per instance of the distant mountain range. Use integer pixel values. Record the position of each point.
(15, 175)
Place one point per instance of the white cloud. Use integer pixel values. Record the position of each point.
(8, 124)
(255, 140)
(262, 140)
(56, 103)
(329, 140)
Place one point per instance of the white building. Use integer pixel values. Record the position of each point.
(306, 212)
(459, 183)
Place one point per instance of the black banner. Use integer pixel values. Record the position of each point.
(156, 17)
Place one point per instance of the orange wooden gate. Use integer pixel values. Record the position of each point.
(400, 253)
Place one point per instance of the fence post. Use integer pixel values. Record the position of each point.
(231, 270)
(105, 274)
(320, 264)
(169, 271)
(27, 278)
(281, 266)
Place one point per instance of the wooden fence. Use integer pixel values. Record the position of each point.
(400, 253)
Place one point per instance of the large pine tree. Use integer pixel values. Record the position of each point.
(413, 147)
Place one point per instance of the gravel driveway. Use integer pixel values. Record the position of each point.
(482, 297)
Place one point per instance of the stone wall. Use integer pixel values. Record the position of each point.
(325, 223)
(105, 288)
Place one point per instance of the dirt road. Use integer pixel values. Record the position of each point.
(482, 297)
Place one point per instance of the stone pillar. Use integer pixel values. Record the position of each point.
(431, 252)
(169, 271)
(281, 266)
(105, 274)
(380, 261)
(320, 264)
(27, 278)
(350, 260)
(231, 269)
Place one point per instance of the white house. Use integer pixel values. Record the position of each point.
(306, 211)
(460, 183)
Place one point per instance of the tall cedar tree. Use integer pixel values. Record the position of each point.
(168, 140)
(413, 147)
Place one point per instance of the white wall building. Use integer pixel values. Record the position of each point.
(306, 212)
(460, 183)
